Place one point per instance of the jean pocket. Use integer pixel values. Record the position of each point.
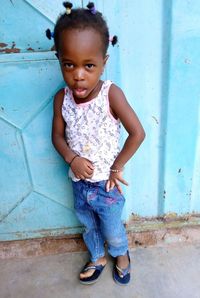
(113, 197)
(116, 194)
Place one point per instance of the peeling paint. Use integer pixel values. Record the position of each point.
(3, 45)
(13, 49)
(171, 217)
(30, 49)
(171, 221)
(8, 51)
(141, 235)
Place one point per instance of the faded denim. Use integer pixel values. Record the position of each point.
(100, 213)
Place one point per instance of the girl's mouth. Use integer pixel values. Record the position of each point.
(80, 92)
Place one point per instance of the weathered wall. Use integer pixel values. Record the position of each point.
(156, 63)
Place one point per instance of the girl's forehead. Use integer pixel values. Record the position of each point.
(85, 40)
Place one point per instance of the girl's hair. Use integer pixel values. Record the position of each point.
(81, 18)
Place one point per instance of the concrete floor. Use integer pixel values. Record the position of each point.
(171, 271)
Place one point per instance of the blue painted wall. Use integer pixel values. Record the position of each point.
(156, 63)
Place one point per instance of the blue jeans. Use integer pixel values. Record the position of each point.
(100, 212)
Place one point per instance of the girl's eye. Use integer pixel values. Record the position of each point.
(68, 65)
(89, 66)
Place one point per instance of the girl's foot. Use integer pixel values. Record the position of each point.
(122, 261)
(102, 261)
(121, 271)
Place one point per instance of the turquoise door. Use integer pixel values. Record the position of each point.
(36, 197)
(156, 64)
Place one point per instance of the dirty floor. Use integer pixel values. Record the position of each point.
(171, 271)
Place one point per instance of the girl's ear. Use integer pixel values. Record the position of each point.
(105, 59)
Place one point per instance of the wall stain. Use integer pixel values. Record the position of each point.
(187, 61)
(155, 119)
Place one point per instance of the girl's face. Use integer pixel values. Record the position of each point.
(82, 62)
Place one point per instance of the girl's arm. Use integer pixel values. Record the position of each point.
(81, 167)
(120, 108)
(58, 129)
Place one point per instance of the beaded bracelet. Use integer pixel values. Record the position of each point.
(73, 159)
(115, 170)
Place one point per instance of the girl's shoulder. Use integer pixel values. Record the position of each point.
(115, 93)
(109, 87)
(60, 94)
(58, 98)
(118, 102)
(116, 98)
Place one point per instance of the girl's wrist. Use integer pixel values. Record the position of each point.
(69, 155)
(116, 169)
(75, 156)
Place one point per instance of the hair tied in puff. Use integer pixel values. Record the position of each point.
(113, 40)
(49, 34)
(68, 6)
(91, 7)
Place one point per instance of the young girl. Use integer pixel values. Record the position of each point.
(86, 128)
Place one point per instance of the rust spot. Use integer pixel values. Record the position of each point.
(3, 45)
(13, 49)
(8, 51)
(30, 49)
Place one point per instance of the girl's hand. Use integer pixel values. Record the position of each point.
(114, 180)
(82, 168)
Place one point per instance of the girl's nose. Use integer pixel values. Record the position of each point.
(79, 75)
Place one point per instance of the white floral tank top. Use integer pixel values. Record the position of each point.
(92, 132)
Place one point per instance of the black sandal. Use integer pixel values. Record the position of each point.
(122, 276)
(95, 276)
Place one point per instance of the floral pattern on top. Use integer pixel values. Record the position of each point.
(92, 132)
